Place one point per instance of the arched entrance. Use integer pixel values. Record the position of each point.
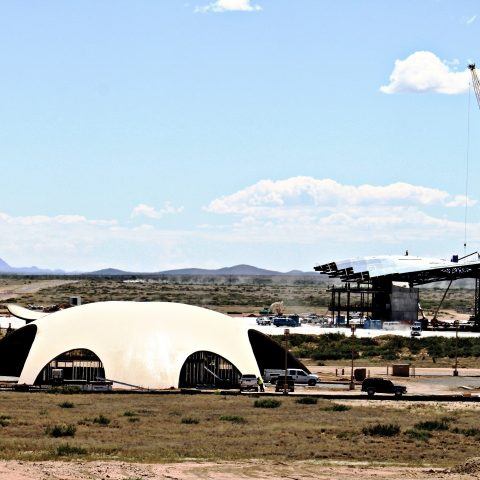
(79, 366)
(208, 370)
(269, 354)
(14, 350)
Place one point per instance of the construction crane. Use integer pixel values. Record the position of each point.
(475, 82)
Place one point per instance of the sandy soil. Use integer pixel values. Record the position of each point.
(14, 470)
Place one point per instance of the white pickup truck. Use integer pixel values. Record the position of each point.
(299, 376)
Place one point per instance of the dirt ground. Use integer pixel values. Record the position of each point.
(20, 287)
(427, 381)
(79, 470)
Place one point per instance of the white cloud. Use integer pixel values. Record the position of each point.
(270, 197)
(280, 220)
(305, 210)
(424, 72)
(143, 210)
(229, 6)
(471, 19)
(74, 242)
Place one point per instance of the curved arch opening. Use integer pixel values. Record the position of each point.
(77, 367)
(208, 370)
(14, 350)
(270, 354)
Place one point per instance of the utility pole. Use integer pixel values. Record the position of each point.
(285, 386)
(352, 384)
(455, 371)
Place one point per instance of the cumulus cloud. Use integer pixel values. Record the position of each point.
(52, 220)
(229, 6)
(301, 192)
(471, 19)
(424, 72)
(306, 210)
(75, 242)
(143, 210)
(265, 217)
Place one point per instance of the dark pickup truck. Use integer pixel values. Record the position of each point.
(280, 383)
(381, 385)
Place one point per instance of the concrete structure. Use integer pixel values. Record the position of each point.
(150, 345)
(382, 287)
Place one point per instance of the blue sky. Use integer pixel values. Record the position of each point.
(135, 134)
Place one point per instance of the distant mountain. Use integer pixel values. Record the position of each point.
(235, 270)
(107, 272)
(241, 270)
(299, 272)
(6, 268)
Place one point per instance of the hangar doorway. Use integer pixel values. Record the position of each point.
(14, 350)
(271, 354)
(77, 367)
(208, 370)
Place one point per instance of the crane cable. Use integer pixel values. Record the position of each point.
(476, 86)
(467, 169)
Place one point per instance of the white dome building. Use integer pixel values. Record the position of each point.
(142, 344)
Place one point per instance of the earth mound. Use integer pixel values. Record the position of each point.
(472, 465)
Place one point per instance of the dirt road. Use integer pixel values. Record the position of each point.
(14, 470)
(15, 290)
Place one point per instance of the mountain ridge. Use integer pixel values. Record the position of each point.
(6, 268)
(240, 269)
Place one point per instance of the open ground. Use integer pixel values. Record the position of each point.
(172, 428)
(230, 294)
(133, 436)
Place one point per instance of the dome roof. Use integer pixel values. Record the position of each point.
(139, 343)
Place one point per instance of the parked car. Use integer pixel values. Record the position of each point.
(264, 321)
(416, 329)
(381, 385)
(290, 321)
(299, 376)
(248, 382)
(280, 383)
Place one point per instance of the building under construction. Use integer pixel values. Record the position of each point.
(385, 287)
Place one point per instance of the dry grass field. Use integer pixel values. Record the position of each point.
(235, 297)
(166, 428)
(227, 295)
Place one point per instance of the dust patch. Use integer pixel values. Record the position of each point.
(193, 470)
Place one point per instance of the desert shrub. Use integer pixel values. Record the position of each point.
(66, 450)
(468, 432)
(431, 425)
(267, 403)
(61, 430)
(336, 407)
(101, 420)
(382, 430)
(67, 389)
(66, 405)
(336, 346)
(133, 419)
(129, 413)
(190, 421)
(307, 400)
(418, 434)
(5, 420)
(233, 419)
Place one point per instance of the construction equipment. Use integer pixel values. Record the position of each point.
(475, 82)
(277, 308)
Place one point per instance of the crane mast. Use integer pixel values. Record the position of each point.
(475, 82)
